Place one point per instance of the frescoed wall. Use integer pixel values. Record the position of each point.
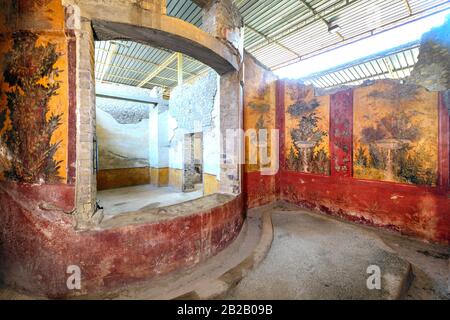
(34, 90)
(307, 129)
(40, 224)
(388, 149)
(395, 133)
(259, 114)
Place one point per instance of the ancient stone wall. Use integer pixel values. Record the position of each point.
(222, 19)
(433, 67)
(194, 108)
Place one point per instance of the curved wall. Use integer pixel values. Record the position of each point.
(39, 212)
(38, 244)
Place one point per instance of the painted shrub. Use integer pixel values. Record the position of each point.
(44, 21)
(396, 133)
(27, 147)
(307, 130)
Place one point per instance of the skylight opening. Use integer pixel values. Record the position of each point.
(407, 33)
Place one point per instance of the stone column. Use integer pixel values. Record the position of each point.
(231, 126)
(221, 18)
(86, 183)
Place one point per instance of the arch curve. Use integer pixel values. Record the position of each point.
(159, 30)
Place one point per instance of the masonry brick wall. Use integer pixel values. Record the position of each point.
(433, 67)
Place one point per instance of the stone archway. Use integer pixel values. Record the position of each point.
(39, 233)
(145, 22)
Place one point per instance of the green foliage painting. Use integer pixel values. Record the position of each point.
(396, 134)
(29, 71)
(309, 148)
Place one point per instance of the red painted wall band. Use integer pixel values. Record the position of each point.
(444, 142)
(341, 134)
(416, 210)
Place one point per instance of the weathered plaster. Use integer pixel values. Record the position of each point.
(121, 145)
(195, 108)
(432, 69)
(416, 210)
(46, 228)
(123, 126)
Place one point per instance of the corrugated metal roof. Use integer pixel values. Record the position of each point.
(282, 32)
(131, 63)
(395, 63)
(277, 33)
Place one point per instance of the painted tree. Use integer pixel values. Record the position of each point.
(361, 158)
(30, 73)
(307, 135)
(308, 129)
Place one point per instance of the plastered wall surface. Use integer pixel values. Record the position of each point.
(388, 156)
(35, 44)
(375, 154)
(259, 113)
(44, 232)
(159, 136)
(123, 135)
(120, 145)
(194, 107)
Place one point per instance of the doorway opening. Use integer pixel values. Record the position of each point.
(155, 109)
(193, 162)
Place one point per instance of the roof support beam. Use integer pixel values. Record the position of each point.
(109, 57)
(364, 35)
(158, 70)
(180, 68)
(315, 13)
(382, 74)
(408, 7)
(389, 66)
(198, 75)
(270, 40)
(332, 9)
(122, 55)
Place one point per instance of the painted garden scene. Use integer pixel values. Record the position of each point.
(259, 115)
(396, 134)
(27, 149)
(307, 127)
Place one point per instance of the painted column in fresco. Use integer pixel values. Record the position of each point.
(444, 142)
(341, 133)
(259, 125)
